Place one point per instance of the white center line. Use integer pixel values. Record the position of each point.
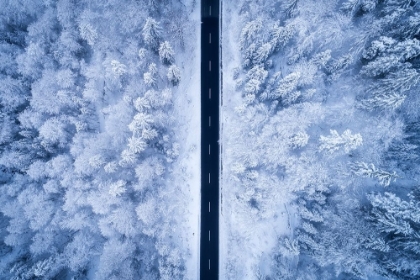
(209, 148)
(209, 38)
(210, 10)
(209, 235)
(209, 65)
(209, 206)
(209, 177)
(209, 93)
(209, 264)
(209, 120)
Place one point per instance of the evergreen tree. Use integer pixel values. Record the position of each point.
(152, 33)
(166, 53)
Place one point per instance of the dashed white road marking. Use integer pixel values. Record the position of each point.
(209, 148)
(209, 177)
(209, 206)
(209, 38)
(209, 264)
(210, 10)
(209, 93)
(209, 65)
(209, 120)
(209, 235)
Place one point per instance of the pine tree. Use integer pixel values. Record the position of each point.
(13, 93)
(118, 68)
(369, 170)
(382, 66)
(280, 35)
(391, 92)
(287, 86)
(117, 188)
(256, 78)
(53, 132)
(166, 53)
(250, 33)
(262, 53)
(141, 104)
(383, 102)
(136, 145)
(46, 267)
(150, 77)
(88, 33)
(334, 142)
(152, 33)
(174, 75)
(115, 256)
(299, 140)
(388, 223)
(79, 251)
(140, 121)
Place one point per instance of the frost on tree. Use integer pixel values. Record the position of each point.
(397, 219)
(299, 140)
(13, 93)
(152, 33)
(259, 40)
(288, 88)
(256, 78)
(390, 93)
(383, 102)
(88, 33)
(53, 133)
(369, 170)
(150, 77)
(166, 53)
(140, 121)
(84, 104)
(335, 141)
(136, 144)
(174, 75)
(354, 6)
(118, 68)
(387, 56)
(250, 33)
(326, 61)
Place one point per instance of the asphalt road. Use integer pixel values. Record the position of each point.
(209, 240)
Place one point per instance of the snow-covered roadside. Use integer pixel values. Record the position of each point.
(229, 58)
(187, 172)
(246, 242)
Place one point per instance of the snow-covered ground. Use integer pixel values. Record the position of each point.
(187, 103)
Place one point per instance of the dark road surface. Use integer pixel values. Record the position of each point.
(209, 240)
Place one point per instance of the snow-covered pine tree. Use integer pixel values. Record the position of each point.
(369, 170)
(152, 33)
(174, 75)
(335, 141)
(166, 53)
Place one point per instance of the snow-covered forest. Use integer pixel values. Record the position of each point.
(98, 173)
(321, 126)
(99, 139)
